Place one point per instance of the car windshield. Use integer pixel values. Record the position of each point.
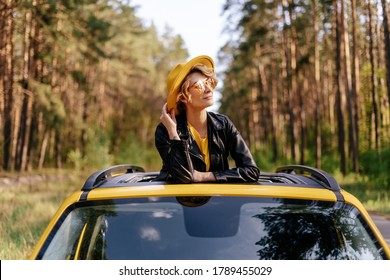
(211, 228)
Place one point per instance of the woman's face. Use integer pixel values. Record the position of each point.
(201, 90)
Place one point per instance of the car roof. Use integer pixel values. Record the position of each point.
(292, 181)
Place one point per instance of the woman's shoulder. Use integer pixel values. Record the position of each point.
(220, 120)
(218, 116)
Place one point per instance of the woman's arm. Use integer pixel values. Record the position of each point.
(246, 169)
(199, 177)
(175, 156)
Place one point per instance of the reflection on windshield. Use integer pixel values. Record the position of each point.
(296, 233)
(223, 228)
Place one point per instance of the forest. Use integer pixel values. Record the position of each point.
(315, 79)
(82, 83)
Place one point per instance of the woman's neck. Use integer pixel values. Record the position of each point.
(198, 119)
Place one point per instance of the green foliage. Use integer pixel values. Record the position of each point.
(265, 161)
(98, 149)
(130, 151)
(330, 162)
(371, 186)
(49, 103)
(376, 166)
(97, 152)
(79, 77)
(372, 198)
(76, 159)
(138, 153)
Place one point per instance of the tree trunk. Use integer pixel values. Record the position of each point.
(43, 149)
(375, 114)
(340, 88)
(355, 86)
(58, 149)
(286, 94)
(316, 89)
(274, 113)
(263, 93)
(353, 148)
(7, 73)
(387, 45)
(289, 104)
(26, 112)
(254, 114)
(302, 116)
(84, 136)
(292, 78)
(25, 130)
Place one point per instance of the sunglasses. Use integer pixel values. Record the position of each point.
(200, 86)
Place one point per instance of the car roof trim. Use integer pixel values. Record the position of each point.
(323, 177)
(100, 177)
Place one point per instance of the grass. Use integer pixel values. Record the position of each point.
(372, 193)
(373, 200)
(26, 210)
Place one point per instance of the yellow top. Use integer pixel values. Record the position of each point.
(202, 144)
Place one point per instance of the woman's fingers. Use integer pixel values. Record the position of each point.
(164, 109)
(168, 118)
(172, 115)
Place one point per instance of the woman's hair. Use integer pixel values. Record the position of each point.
(184, 89)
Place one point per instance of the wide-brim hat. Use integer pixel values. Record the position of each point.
(178, 74)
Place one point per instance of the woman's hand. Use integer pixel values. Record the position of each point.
(168, 119)
(199, 177)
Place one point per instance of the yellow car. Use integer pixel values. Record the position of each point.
(296, 213)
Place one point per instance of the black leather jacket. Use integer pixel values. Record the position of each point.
(181, 157)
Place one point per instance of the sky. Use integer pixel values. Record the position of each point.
(199, 22)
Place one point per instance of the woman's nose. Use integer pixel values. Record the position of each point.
(207, 88)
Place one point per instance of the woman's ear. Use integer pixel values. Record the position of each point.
(183, 98)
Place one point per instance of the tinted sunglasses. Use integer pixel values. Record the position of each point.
(200, 86)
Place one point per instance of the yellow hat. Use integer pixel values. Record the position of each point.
(177, 75)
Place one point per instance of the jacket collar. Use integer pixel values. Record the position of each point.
(213, 121)
(182, 128)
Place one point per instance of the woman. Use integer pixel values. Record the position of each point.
(195, 144)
